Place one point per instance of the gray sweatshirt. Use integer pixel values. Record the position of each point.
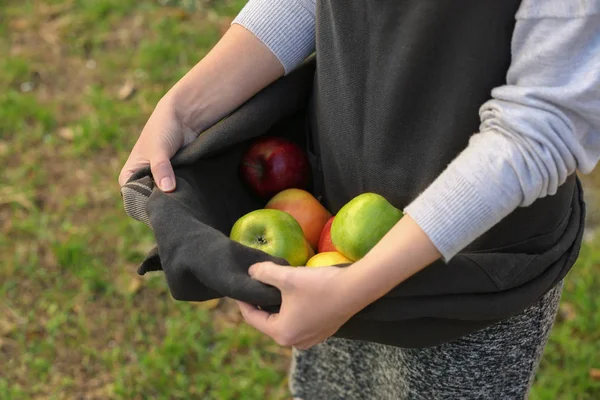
(538, 128)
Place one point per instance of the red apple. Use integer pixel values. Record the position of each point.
(325, 243)
(272, 164)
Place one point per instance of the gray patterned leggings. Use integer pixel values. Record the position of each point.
(498, 362)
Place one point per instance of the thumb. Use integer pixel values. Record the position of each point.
(162, 171)
(272, 274)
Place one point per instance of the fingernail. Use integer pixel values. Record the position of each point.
(166, 183)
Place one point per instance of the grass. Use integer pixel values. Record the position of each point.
(79, 80)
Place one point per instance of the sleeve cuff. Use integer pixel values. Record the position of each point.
(452, 213)
(287, 28)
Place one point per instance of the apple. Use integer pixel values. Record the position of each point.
(305, 208)
(275, 232)
(272, 164)
(361, 223)
(326, 259)
(325, 243)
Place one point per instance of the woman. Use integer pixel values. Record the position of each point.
(400, 90)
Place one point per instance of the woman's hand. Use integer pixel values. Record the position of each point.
(315, 303)
(235, 69)
(162, 136)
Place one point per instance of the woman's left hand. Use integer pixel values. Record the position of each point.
(316, 302)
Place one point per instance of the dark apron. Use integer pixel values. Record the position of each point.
(396, 96)
(392, 97)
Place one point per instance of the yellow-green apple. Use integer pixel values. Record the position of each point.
(361, 223)
(327, 258)
(305, 208)
(275, 232)
(325, 243)
(272, 164)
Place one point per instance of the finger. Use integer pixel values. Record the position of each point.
(162, 171)
(124, 176)
(261, 320)
(129, 169)
(272, 274)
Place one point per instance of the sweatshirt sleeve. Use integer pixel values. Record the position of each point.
(286, 27)
(536, 130)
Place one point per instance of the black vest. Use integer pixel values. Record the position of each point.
(396, 96)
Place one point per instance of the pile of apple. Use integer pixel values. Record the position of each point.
(293, 224)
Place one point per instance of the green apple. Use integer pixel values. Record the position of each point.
(361, 223)
(275, 232)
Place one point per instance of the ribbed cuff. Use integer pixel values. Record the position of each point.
(452, 213)
(287, 28)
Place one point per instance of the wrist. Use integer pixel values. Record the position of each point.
(354, 288)
(237, 67)
(188, 105)
(401, 253)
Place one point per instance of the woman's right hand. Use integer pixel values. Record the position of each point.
(237, 67)
(163, 135)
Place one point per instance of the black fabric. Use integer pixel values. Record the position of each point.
(396, 97)
(192, 224)
(391, 98)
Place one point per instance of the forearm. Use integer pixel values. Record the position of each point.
(536, 130)
(401, 253)
(237, 67)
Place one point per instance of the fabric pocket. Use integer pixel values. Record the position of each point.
(519, 261)
(191, 226)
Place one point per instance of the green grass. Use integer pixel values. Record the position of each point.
(574, 346)
(75, 319)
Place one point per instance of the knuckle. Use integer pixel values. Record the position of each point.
(125, 170)
(160, 162)
(287, 280)
(161, 165)
(257, 270)
(123, 176)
